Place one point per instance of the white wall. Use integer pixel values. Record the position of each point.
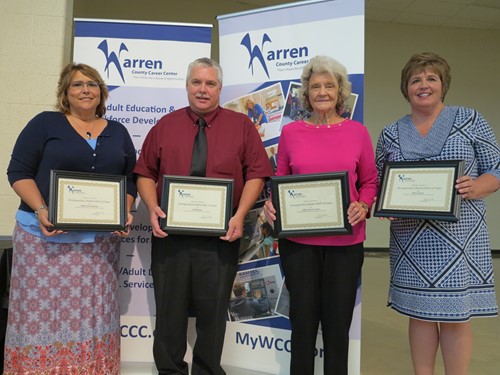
(474, 58)
(35, 43)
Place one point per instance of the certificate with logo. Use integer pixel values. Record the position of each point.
(87, 201)
(311, 204)
(420, 190)
(196, 205)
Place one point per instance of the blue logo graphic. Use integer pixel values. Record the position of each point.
(183, 194)
(255, 51)
(403, 178)
(72, 189)
(112, 58)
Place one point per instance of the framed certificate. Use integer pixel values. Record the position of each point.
(196, 205)
(311, 204)
(87, 201)
(420, 190)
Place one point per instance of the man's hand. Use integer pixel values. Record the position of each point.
(154, 216)
(234, 230)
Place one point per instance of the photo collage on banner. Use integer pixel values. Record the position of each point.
(262, 54)
(144, 65)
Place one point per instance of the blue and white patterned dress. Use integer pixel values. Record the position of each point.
(442, 271)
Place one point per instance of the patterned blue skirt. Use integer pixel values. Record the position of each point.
(442, 271)
(64, 315)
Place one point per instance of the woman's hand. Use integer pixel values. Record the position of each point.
(481, 187)
(126, 232)
(29, 193)
(269, 211)
(356, 213)
(381, 217)
(45, 224)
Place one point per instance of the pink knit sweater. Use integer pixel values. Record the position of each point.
(304, 148)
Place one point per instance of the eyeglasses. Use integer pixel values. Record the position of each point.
(78, 85)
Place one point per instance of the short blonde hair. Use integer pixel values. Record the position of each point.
(65, 79)
(420, 62)
(328, 65)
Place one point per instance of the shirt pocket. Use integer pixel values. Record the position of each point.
(227, 164)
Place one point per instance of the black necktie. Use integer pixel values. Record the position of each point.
(199, 159)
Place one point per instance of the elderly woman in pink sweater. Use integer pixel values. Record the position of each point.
(322, 272)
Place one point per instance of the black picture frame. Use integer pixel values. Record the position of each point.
(199, 206)
(82, 201)
(319, 206)
(420, 190)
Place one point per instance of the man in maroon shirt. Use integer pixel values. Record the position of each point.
(190, 270)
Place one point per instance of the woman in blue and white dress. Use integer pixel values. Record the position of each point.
(441, 272)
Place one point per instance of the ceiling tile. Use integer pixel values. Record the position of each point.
(470, 24)
(486, 3)
(461, 2)
(420, 19)
(434, 7)
(383, 15)
(477, 13)
(395, 5)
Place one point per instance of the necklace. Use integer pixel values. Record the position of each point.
(89, 123)
(327, 121)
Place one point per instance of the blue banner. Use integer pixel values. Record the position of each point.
(263, 53)
(144, 65)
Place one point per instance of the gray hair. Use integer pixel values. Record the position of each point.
(328, 65)
(205, 62)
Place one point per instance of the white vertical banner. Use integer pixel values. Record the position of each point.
(262, 53)
(144, 65)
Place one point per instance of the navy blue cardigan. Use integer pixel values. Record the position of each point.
(49, 142)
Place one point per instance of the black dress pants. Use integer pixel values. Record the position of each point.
(191, 272)
(322, 282)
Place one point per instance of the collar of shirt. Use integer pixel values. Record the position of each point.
(209, 117)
